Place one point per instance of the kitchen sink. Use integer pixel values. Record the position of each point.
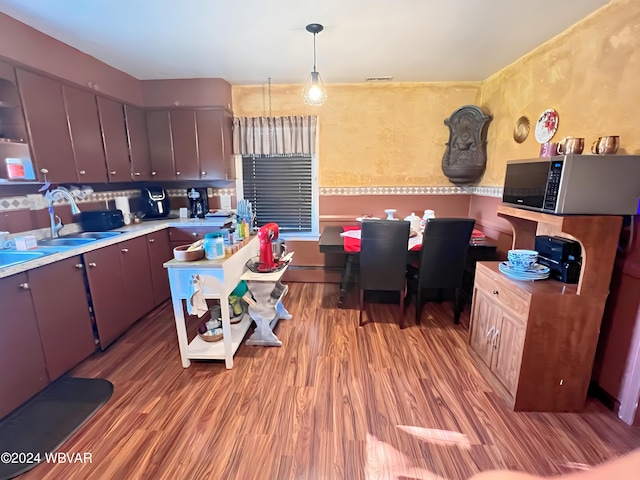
(13, 257)
(65, 241)
(95, 235)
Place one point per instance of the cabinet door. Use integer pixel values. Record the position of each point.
(114, 135)
(159, 252)
(507, 355)
(60, 301)
(160, 146)
(46, 118)
(136, 272)
(227, 145)
(211, 144)
(107, 293)
(185, 148)
(484, 315)
(138, 143)
(22, 367)
(86, 136)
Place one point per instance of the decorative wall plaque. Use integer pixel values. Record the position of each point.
(465, 158)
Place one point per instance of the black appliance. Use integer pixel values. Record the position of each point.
(154, 202)
(198, 202)
(561, 255)
(101, 220)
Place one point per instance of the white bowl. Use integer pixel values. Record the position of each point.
(522, 259)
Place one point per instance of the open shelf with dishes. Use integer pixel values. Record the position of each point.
(535, 341)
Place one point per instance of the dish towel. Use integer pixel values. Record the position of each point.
(196, 304)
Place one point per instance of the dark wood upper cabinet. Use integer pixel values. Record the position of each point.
(46, 118)
(185, 148)
(159, 252)
(211, 144)
(227, 145)
(63, 316)
(114, 136)
(22, 368)
(86, 136)
(160, 145)
(138, 143)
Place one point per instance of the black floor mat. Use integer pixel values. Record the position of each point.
(43, 424)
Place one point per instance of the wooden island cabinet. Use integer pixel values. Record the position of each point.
(535, 342)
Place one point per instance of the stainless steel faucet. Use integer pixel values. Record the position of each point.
(51, 195)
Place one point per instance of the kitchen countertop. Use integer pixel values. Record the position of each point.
(55, 254)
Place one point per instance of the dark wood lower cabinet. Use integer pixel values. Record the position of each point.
(120, 284)
(62, 309)
(107, 293)
(160, 251)
(22, 367)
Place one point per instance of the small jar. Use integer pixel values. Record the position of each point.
(214, 245)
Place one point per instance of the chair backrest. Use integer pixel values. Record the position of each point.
(444, 252)
(383, 254)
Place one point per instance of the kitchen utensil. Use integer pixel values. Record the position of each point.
(606, 145)
(570, 145)
(522, 259)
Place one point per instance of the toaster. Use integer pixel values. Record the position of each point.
(101, 220)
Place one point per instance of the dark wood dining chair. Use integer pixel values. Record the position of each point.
(442, 260)
(383, 260)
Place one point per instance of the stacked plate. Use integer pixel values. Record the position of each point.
(536, 272)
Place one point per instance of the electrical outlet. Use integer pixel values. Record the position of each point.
(225, 201)
(37, 201)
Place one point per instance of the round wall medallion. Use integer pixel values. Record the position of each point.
(521, 130)
(546, 126)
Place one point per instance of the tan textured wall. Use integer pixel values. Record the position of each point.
(372, 134)
(590, 74)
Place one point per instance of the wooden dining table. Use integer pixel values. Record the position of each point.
(332, 242)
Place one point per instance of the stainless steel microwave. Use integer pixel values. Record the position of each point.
(575, 184)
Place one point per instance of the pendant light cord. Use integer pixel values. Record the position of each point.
(314, 52)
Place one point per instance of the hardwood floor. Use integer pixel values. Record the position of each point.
(336, 401)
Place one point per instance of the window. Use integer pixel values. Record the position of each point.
(282, 189)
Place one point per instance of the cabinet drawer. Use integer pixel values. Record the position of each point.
(503, 292)
(188, 235)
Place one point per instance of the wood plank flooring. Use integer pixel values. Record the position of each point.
(336, 401)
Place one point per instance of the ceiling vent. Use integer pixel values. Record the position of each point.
(379, 79)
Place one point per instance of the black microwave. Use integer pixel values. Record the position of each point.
(575, 184)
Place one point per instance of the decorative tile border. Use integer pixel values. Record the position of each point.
(36, 201)
(211, 192)
(448, 190)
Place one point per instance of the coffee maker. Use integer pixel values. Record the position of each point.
(198, 202)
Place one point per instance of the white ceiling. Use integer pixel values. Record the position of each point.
(248, 41)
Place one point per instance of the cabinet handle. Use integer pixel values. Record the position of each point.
(92, 264)
(151, 240)
(177, 173)
(489, 333)
(137, 174)
(495, 338)
(204, 173)
(495, 292)
(112, 173)
(124, 250)
(195, 234)
(154, 173)
(79, 266)
(24, 286)
(82, 172)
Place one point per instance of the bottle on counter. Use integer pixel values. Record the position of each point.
(214, 245)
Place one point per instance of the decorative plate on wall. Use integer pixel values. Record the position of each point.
(521, 130)
(547, 126)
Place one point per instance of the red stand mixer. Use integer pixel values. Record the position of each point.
(268, 236)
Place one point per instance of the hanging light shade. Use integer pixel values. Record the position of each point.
(313, 92)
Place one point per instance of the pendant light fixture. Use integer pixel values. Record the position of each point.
(313, 92)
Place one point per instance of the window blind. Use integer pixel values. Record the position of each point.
(280, 189)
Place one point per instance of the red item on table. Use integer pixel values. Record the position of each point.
(353, 244)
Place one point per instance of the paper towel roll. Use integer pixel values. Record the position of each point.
(122, 203)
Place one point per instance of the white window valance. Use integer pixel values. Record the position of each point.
(293, 135)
